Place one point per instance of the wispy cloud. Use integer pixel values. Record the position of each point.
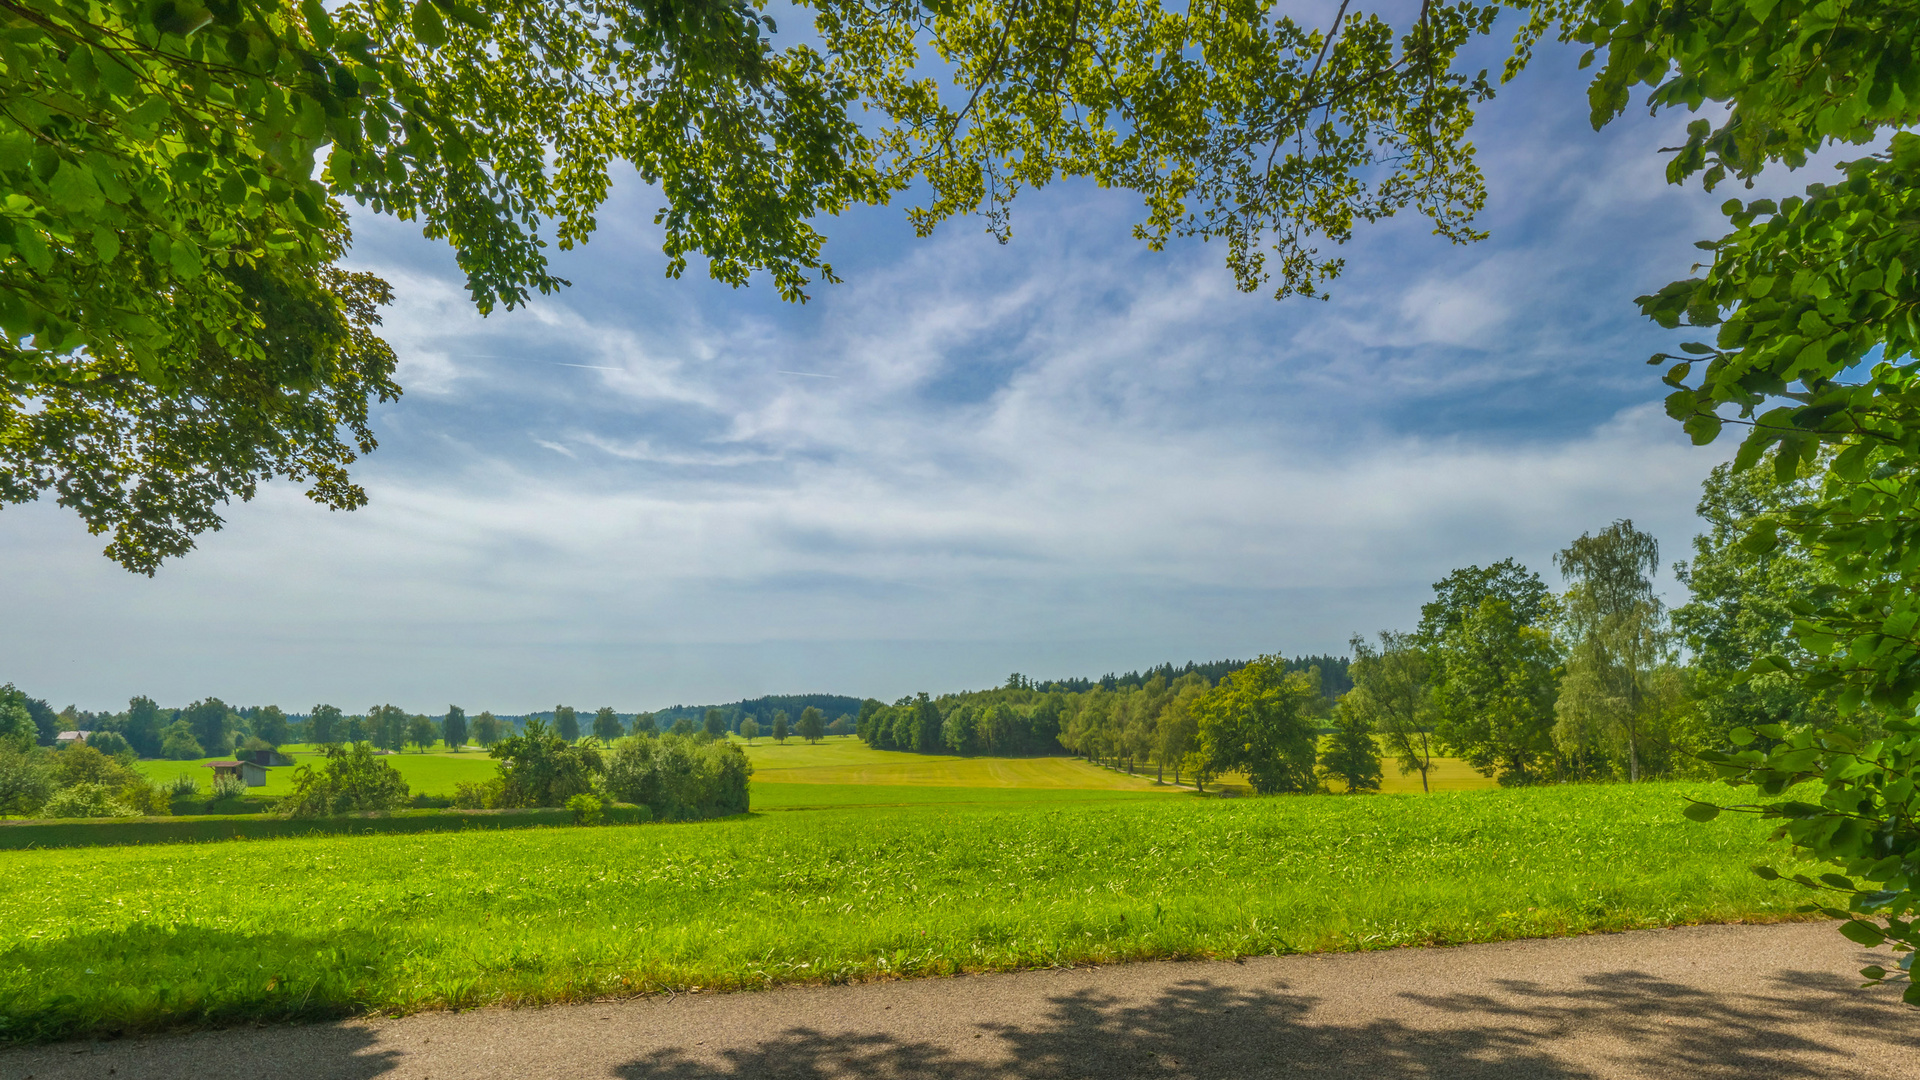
(1067, 454)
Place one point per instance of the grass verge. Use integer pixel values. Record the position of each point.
(202, 828)
(115, 940)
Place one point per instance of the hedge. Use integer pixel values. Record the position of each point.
(95, 832)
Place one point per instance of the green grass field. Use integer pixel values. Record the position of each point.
(837, 761)
(105, 940)
(844, 759)
(427, 774)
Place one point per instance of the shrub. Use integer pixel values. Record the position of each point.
(111, 743)
(82, 764)
(540, 768)
(587, 808)
(179, 744)
(26, 777)
(144, 798)
(678, 777)
(353, 779)
(483, 795)
(86, 800)
(181, 787)
(228, 786)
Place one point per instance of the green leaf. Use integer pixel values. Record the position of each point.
(461, 13)
(184, 256)
(1699, 811)
(309, 207)
(81, 70)
(427, 25)
(1704, 427)
(319, 23)
(147, 113)
(1766, 873)
(33, 247)
(1851, 463)
(188, 166)
(1761, 537)
(116, 76)
(106, 244)
(74, 188)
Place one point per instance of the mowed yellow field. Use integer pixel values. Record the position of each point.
(844, 759)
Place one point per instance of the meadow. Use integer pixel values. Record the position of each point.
(110, 940)
(431, 773)
(844, 762)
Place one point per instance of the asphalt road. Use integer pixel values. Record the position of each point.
(1699, 1003)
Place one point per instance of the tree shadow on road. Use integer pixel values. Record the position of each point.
(1200, 1029)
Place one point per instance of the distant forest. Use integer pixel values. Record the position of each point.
(211, 726)
(1333, 675)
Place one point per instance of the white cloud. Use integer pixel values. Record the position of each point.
(1063, 456)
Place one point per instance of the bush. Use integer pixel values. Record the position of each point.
(587, 808)
(179, 744)
(484, 795)
(82, 764)
(539, 768)
(111, 743)
(86, 800)
(354, 779)
(181, 787)
(26, 777)
(678, 777)
(228, 786)
(144, 798)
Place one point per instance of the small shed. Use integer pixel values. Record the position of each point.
(250, 773)
(68, 738)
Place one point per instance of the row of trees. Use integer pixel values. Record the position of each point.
(676, 776)
(1599, 681)
(1125, 720)
(211, 727)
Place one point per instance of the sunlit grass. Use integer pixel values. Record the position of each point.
(102, 940)
(426, 774)
(846, 760)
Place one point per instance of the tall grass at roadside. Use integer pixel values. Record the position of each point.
(100, 941)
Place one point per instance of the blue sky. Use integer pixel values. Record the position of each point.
(1064, 456)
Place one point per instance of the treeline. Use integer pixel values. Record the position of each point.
(763, 710)
(1598, 681)
(1333, 675)
(675, 777)
(1138, 717)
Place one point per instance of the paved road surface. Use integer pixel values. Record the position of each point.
(1701, 1003)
